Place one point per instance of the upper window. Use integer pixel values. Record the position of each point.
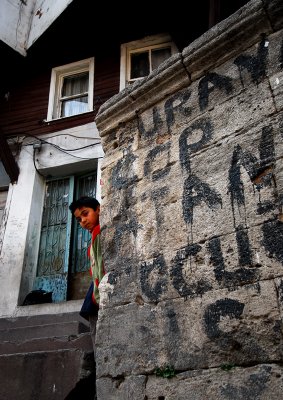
(139, 58)
(71, 89)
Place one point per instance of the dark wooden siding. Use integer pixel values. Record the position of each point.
(25, 110)
(106, 78)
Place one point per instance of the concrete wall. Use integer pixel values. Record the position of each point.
(192, 221)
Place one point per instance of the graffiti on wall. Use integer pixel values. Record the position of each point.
(196, 192)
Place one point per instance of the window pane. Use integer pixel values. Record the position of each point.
(139, 65)
(74, 106)
(75, 84)
(54, 228)
(160, 55)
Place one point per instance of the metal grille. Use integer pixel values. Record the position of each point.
(52, 251)
(86, 186)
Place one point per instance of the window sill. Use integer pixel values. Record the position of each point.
(71, 118)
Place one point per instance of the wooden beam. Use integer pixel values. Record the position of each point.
(8, 160)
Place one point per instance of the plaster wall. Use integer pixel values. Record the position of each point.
(13, 247)
(22, 22)
(192, 221)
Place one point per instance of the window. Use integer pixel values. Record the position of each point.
(141, 57)
(62, 258)
(71, 89)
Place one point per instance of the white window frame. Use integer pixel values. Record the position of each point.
(57, 78)
(147, 43)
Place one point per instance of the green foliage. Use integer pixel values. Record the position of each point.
(166, 372)
(227, 367)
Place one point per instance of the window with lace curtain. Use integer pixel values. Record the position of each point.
(71, 89)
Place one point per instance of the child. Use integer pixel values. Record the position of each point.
(86, 210)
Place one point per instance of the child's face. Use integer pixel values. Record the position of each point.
(87, 217)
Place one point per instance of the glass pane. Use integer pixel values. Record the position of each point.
(54, 228)
(86, 186)
(76, 84)
(159, 55)
(74, 106)
(139, 65)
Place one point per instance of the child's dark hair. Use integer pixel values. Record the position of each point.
(84, 201)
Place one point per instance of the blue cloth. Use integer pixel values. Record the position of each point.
(89, 307)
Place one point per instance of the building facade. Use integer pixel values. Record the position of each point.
(178, 133)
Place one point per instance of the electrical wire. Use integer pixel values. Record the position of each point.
(35, 164)
(37, 170)
(59, 147)
(67, 134)
(82, 158)
(66, 151)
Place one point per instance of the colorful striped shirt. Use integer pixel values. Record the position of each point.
(97, 270)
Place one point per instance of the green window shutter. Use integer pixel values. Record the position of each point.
(85, 186)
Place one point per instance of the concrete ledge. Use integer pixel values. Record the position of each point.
(72, 306)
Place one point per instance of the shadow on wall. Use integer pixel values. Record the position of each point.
(37, 297)
(84, 389)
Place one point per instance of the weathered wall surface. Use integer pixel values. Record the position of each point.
(22, 22)
(192, 220)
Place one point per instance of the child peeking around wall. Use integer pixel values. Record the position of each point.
(86, 210)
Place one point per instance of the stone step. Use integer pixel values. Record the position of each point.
(42, 326)
(42, 331)
(46, 357)
(81, 341)
(14, 322)
(47, 375)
